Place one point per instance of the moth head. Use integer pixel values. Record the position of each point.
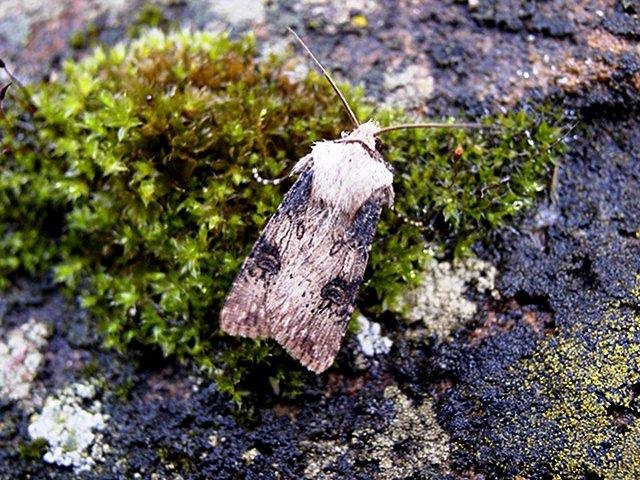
(366, 133)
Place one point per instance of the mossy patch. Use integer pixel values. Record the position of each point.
(149, 16)
(131, 179)
(34, 450)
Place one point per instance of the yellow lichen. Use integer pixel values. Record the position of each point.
(588, 375)
(359, 21)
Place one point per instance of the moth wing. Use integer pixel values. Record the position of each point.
(314, 294)
(245, 309)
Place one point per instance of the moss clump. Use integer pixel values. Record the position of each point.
(149, 16)
(83, 38)
(132, 180)
(33, 451)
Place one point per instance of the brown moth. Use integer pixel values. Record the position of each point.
(300, 281)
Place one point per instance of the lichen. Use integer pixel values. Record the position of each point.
(238, 12)
(410, 445)
(20, 358)
(69, 422)
(591, 377)
(132, 181)
(417, 430)
(332, 13)
(412, 87)
(250, 455)
(322, 454)
(562, 407)
(370, 339)
(441, 300)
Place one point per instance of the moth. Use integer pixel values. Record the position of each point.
(300, 281)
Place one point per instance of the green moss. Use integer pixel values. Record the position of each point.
(149, 16)
(133, 183)
(33, 451)
(252, 363)
(460, 198)
(123, 389)
(85, 37)
(90, 369)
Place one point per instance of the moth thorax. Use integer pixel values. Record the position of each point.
(346, 174)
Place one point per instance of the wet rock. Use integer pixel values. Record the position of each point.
(536, 399)
(621, 23)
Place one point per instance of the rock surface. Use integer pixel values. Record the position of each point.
(543, 381)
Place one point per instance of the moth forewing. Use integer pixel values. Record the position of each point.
(299, 283)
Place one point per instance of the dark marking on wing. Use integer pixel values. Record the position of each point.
(339, 291)
(264, 259)
(336, 246)
(297, 197)
(364, 225)
(311, 323)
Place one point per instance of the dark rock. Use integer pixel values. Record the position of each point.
(620, 23)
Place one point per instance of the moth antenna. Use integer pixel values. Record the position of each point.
(570, 129)
(352, 115)
(553, 190)
(13, 78)
(267, 181)
(3, 93)
(3, 90)
(406, 126)
(19, 84)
